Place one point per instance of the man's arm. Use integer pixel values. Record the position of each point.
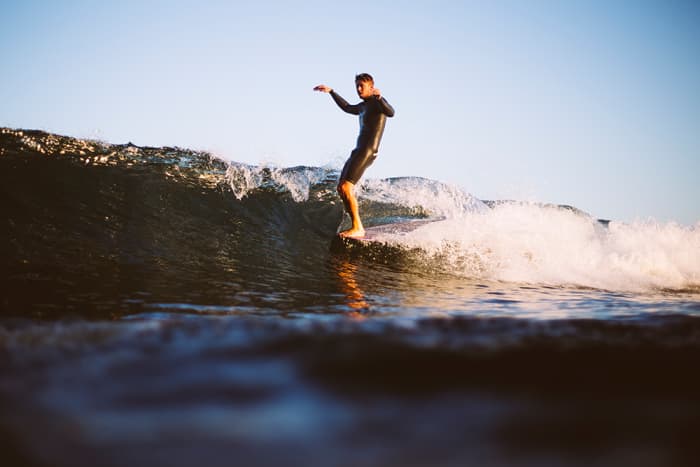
(385, 107)
(342, 103)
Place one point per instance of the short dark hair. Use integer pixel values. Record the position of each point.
(364, 77)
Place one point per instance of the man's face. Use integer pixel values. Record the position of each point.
(365, 89)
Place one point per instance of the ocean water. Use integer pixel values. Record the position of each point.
(160, 306)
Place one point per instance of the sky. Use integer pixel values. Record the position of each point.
(594, 104)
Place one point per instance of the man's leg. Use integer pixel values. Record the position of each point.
(345, 189)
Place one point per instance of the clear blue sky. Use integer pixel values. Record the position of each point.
(589, 103)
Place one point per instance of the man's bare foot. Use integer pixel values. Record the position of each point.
(353, 233)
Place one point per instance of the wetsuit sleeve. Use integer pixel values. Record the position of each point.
(343, 104)
(386, 108)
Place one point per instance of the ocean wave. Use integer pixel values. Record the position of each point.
(80, 209)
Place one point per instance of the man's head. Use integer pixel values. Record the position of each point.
(364, 83)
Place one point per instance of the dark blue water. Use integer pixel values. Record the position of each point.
(160, 306)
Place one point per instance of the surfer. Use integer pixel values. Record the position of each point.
(373, 111)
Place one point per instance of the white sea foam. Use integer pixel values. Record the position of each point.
(243, 178)
(437, 198)
(549, 245)
(297, 181)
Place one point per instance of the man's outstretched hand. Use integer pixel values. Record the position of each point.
(323, 88)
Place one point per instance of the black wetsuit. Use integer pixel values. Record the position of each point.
(373, 113)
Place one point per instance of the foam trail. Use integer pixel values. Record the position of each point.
(548, 245)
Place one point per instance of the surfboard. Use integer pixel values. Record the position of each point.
(381, 243)
(382, 233)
